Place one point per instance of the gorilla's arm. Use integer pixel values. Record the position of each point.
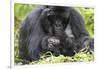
(78, 29)
(26, 40)
(45, 23)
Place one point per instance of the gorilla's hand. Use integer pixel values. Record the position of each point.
(88, 46)
(53, 41)
(92, 44)
(52, 44)
(47, 12)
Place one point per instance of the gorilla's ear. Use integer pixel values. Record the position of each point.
(77, 24)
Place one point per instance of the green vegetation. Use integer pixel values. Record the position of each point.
(80, 57)
(20, 13)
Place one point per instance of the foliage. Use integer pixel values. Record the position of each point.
(20, 13)
(50, 59)
(88, 14)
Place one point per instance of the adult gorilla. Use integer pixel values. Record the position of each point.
(52, 28)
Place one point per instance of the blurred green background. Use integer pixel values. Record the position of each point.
(20, 13)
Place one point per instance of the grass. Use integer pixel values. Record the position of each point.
(50, 59)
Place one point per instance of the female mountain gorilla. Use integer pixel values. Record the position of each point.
(52, 28)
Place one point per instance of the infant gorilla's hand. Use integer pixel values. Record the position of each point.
(53, 41)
